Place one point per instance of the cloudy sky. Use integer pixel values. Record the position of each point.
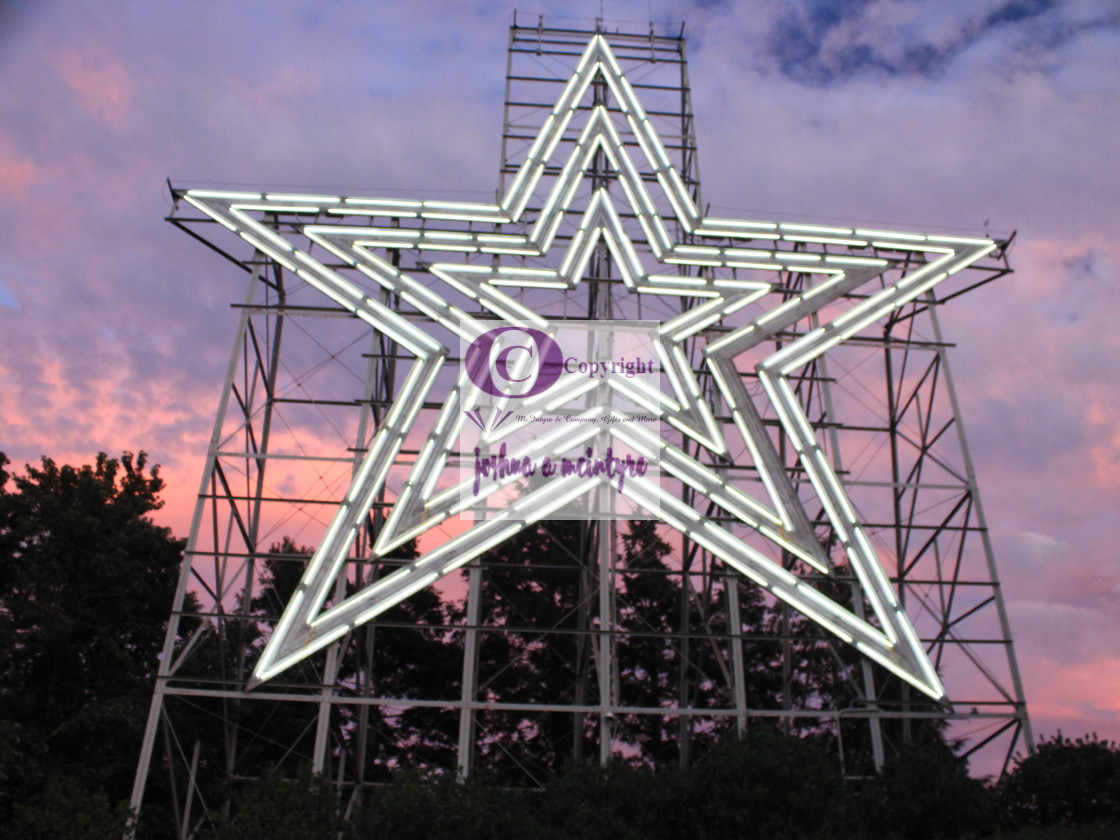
(955, 116)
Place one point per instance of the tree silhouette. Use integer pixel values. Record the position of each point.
(407, 653)
(86, 581)
(1067, 782)
(533, 591)
(540, 596)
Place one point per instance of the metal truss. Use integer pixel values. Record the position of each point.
(445, 686)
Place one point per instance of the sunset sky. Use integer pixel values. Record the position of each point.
(974, 116)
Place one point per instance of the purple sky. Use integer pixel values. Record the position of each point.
(959, 116)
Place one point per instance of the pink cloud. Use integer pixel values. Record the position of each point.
(99, 79)
(1074, 696)
(15, 176)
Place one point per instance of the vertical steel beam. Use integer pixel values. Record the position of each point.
(468, 726)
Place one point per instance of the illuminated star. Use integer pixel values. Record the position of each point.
(306, 626)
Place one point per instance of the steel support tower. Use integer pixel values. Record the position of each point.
(593, 640)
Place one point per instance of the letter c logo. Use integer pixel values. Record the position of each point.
(486, 375)
(501, 362)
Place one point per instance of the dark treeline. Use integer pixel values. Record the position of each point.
(86, 581)
(765, 785)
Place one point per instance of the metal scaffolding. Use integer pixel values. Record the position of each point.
(594, 640)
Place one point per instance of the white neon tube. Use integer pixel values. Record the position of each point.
(317, 199)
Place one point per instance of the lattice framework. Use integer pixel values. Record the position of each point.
(307, 386)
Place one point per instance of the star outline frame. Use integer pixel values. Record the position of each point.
(895, 645)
